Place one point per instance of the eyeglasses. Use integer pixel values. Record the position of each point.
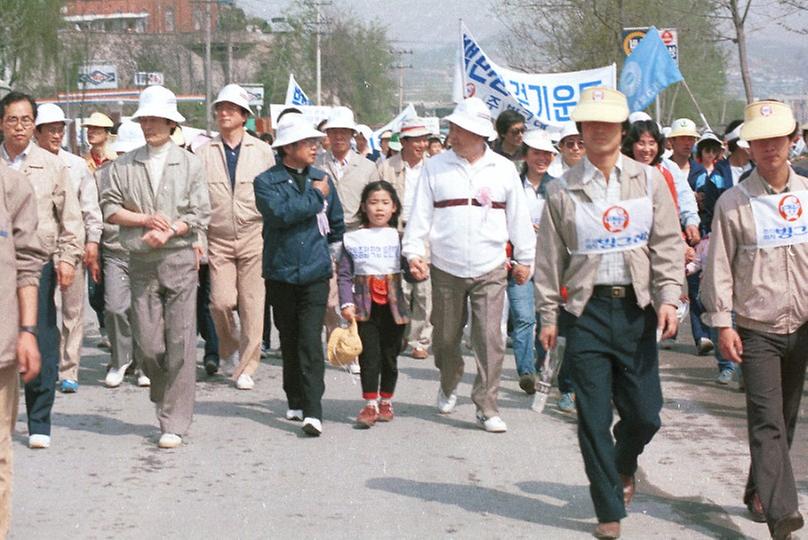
(573, 143)
(12, 121)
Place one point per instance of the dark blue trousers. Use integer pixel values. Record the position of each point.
(612, 358)
(41, 392)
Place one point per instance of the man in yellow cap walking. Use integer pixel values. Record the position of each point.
(99, 126)
(757, 267)
(610, 234)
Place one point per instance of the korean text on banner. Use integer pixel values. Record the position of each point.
(647, 71)
(295, 95)
(543, 99)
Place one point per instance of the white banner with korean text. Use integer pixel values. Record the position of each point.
(544, 99)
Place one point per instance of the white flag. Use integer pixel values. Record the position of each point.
(295, 95)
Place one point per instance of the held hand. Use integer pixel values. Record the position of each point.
(349, 313)
(91, 261)
(667, 323)
(200, 253)
(321, 186)
(156, 239)
(730, 345)
(156, 222)
(690, 254)
(28, 359)
(65, 274)
(419, 269)
(520, 273)
(692, 234)
(548, 337)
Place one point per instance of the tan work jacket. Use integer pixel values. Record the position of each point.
(233, 213)
(61, 229)
(657, 269)
(766, 287)
(110, 237)
(182, 196)
(359, 172)
(21, 255)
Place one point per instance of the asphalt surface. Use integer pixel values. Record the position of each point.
(246, 472)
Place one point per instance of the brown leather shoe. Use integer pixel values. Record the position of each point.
(784, 526)
(419, 354)
(607, 531)
(367, 417)
(385, 411)
(629, 486)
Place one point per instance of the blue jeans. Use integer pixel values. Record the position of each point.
(523, 318)
(204, 321)
(40, 393)
(701, 330)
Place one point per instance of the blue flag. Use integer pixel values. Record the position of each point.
(648, 70)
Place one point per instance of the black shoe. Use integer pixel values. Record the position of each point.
(784, 526)
(755, 508)
(211, 364)
(527, 382)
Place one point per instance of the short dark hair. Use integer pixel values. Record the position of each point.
(507, 119)
(288, 110)
(14, 97)
(379, 185)
(267, 138)
(636, 131)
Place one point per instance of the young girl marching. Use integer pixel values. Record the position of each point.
(370, 292)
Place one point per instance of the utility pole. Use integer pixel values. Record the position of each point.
(208, 69)
(318, 23)
(400, 66)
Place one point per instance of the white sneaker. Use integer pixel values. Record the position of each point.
(169, 440)
(495, 424)
(143, 381)
(38, 441)
(115, 376)
(354, 368)
(312, 426)
(294, 414)
(231, 364)
(245, 382)
(446, 404)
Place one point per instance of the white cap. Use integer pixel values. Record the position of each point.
(413, 127)
(473, 115)
(340, 117)
(569, 130)
(233, 93)
(683, 127)
(365, 131)
(130, 136)
(710, 136)
(540, 140)
(160, 102)
(735, 135)
(293, 128)
(49, 113)
(638, 116)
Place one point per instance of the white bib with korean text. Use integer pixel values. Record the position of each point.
(780, 220)
(375, 251)
(535, 204)
(604, 227)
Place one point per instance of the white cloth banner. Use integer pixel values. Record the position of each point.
(295, 95)
(393, 125)
(545, 99)
(312, 113)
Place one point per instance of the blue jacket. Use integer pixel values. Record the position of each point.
(712, 185)
(294, 250)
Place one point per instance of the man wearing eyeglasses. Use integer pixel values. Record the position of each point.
(510, 126)
(570, 151)
(61, 233)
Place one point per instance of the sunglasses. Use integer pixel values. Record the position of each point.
(573, 143)
(517, 131)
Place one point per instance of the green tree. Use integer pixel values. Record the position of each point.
(565, 35)
(356, 62)
(29, 42)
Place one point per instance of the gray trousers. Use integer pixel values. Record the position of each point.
(449, 313)
(419, 331)
(164, 324)
(117, 308)
(774, 373)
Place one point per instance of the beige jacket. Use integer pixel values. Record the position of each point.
(61, 229)
(233, 213)
(359, 172)
(183, 196)
(110, 237)
(392, 170)
(657, 270)
(21, 255)
(767, 288)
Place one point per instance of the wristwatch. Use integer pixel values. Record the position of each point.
(29, 329)
(176, 229)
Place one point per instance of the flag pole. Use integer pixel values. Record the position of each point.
(701, 114)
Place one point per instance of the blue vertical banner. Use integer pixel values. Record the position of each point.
(647, 71)
(295, 95)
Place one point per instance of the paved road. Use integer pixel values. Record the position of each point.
(245, 472)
